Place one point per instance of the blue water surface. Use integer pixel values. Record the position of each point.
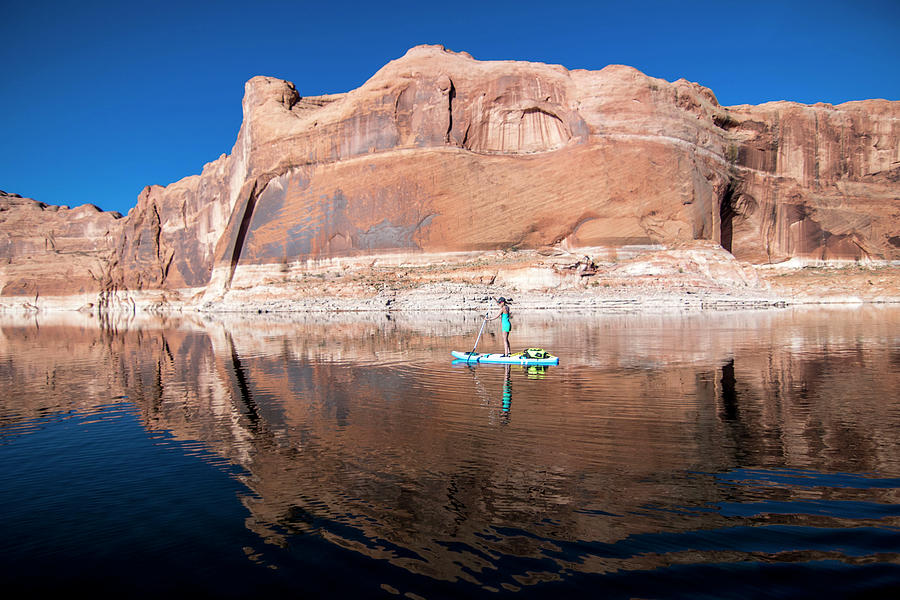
(665, 457)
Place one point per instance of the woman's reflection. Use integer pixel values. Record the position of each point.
(506, 402)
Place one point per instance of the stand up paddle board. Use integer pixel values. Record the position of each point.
(532, 356)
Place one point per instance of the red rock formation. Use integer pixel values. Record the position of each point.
(54, 250)
(439, 152)
(814, 181)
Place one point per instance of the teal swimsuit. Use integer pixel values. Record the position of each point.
(504, 322)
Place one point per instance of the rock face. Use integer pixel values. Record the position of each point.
(55, 250)
(816, 181)
(440, 153)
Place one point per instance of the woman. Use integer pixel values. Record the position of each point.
(503, 315)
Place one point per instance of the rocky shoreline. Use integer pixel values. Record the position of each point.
(695, 278)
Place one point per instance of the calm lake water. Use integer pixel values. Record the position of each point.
(727, 455)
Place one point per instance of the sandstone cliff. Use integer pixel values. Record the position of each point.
(816, 181)
(55, 250)
(440, 153)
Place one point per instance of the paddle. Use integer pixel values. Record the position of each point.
(480, 331)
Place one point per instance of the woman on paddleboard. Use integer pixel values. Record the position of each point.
(503, 315)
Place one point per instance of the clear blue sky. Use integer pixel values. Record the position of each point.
(101, 98)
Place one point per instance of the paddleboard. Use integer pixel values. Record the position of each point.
(517, 358)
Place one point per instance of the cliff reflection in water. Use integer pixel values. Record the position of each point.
(359, 431)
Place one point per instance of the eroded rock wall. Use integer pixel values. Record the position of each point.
(438, 152)
(54, 250)
(169, 238)
(819, 182)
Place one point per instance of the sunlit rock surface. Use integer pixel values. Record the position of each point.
(820, 182)
(50, 250)
(439, 154)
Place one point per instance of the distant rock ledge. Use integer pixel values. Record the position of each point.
(442, 170)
